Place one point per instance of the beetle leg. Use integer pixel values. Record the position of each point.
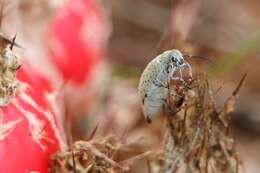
(170, 110)
(180, 71)
(180, 78)
(175, 95)
(190, 69)
(177, 77)
(148, 119)
(170, 77)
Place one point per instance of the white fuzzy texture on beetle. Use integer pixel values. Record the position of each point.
(154, 82)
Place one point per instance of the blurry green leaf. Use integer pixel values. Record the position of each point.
(239, 56)
(125, 71)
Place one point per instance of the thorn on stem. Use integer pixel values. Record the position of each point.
(13, 42)
(241, 82)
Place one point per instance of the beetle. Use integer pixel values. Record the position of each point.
(154, 82)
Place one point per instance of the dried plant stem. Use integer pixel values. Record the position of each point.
(8, 66)
(198, 138)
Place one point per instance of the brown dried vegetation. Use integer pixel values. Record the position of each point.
(198, 138)
(8, 66)
(84, 156)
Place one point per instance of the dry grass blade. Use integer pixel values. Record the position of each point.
(135, 158)
(229, 104)
(93, 133)
(236, 91)
(98, 153)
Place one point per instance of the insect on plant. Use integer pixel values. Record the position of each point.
(154, 82)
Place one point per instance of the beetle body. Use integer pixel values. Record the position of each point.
(154, 82)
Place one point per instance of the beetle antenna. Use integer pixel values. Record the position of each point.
(200, 57)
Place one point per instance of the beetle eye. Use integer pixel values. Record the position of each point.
(173, 59)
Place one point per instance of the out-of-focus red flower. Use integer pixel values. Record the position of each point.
(29, 131)
(77, 39)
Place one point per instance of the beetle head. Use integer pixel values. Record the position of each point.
(176, 57)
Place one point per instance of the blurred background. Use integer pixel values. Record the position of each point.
(94, 53)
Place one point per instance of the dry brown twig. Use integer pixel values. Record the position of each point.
(198, 138)
(88, 156)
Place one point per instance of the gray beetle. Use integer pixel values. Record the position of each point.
(154, 82)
